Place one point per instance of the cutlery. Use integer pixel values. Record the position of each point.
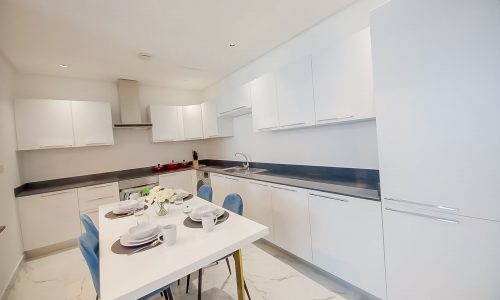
(148, 246)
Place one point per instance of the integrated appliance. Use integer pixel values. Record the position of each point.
(135, 185)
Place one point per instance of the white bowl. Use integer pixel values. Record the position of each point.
(143, 230)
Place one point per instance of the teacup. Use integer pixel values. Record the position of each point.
(169, 234)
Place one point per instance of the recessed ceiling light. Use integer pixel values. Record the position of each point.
(63, 66)
(232, 44)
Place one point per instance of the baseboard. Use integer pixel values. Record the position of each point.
(12, 278)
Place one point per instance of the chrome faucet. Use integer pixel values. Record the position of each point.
(246, 164)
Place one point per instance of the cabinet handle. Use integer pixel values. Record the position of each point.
(256, 183)
(237, 108)
(99, 187)
(336, 118)
(422, 204)
(266, 128)
(100, 198)
(164, 140)
(52, 146)
(423, 216)
(95, 144)
(55, 194)
(225, 112)
(285, 189)
(333, 198)
(301, 123)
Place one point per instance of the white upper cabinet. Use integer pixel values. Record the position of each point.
(193, 124)
(43, 124)
(92, 124)
(343, 80)
(264, 104)
(294, 94)
(235, 102)
(213, 126)
(167, 125)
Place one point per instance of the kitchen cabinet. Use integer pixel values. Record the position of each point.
(290, 213)
(213, 126)
(431, 255)
(222, 186)
(343, 80)
(347, 240)
(48, 219)
(264, 104)
(235, 101)
(92, 124)
(178, 180)
(43, 124)
(167, 123)
(257, 203)
(437, 124)
(193, 124)
(294, 94)
(91, 197)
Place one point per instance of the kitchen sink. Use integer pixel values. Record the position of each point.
(242, 170)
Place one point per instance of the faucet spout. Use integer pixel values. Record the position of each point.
(246, 163)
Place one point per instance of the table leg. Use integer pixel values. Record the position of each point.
(238, 261)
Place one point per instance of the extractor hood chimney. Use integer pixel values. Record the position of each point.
(130, 108)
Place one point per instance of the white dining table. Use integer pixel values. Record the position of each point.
(133, 276)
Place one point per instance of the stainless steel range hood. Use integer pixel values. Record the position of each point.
(130, 108)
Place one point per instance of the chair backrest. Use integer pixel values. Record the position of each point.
(89, 246)
(205, 192)
(234, 203)
(89, 225)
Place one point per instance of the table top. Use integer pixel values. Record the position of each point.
(133, 276)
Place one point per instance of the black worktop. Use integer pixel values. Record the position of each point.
(361, 183)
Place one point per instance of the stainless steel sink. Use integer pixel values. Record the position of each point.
(242, 170)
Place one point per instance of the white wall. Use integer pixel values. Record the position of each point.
(133, 147)
(342, 145)
(11, 250)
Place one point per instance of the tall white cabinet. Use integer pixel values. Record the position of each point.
(436, 66)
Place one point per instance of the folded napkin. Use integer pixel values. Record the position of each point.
(143, 230)
(204, 210)
(127, 205)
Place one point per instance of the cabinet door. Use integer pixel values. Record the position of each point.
(43, 124)
(165, 123)
(49, 219)
(439, 256)
(437, 124)
(294, 90)
(343, 80)
(92, 124)
(291, 220)
(264, 105)
(347, 239)
(177, 180)
(222, 186)
(193, 124)
(257, 203)
(91, 197)
(209, 115)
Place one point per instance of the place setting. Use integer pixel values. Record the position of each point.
(206, 217)
(134, 206)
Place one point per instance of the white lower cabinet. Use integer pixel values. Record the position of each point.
(178, 180)
(347, 240)
(91, 197)
(290, 213)
(257, 203)
(48, 219)
(436, 256)
(222, 186)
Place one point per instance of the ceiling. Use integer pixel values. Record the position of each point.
(188, 39)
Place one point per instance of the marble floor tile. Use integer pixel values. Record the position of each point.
(269, 276)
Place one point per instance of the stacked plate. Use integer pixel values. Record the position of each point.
(181, 193)
(126, 207)
(140, 235)
(205, 210)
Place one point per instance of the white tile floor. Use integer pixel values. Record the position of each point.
(270, 274)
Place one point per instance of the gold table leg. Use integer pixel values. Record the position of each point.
(238, 261)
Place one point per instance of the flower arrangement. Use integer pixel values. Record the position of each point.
(160, 196)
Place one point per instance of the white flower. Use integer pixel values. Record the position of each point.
(160, 194)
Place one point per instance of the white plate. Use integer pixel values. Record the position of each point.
(122, 212)
(144, 230)
(220, 212)
(127, 241)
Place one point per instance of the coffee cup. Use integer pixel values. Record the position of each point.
(208, 222)
(168, 234)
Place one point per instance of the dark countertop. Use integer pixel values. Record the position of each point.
(361, 183)
(55, 185)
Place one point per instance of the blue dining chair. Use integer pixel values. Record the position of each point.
(89, 246)
(89, 225)
(205, 192)
(232, 202)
